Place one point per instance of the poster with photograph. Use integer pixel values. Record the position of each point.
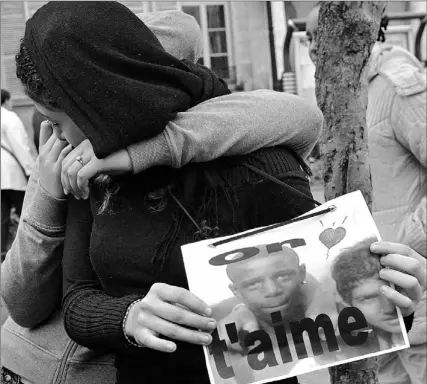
(297, 298)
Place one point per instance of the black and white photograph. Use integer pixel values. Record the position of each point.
(213, 192)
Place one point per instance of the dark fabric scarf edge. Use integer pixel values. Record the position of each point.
(70, 100)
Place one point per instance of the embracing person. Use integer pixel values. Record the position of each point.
(36, 347)
(125, 261)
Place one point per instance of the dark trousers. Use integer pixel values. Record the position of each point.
(9, 199)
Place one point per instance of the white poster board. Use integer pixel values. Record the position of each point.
(295, 299)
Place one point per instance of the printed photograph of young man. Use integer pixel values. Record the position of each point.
(271, 283)
(356, 274)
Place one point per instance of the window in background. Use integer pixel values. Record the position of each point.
(13, 17)
(213, 19)
(214, 22)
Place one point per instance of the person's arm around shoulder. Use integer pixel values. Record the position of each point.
(230, 125)
(31, 275)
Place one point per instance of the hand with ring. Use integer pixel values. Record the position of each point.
(81, 165)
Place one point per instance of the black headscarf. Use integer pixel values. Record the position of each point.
(110, 74)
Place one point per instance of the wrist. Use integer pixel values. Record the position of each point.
(117, 163)
(150, 153)
(128, 322)
(46, 212)
(55, 192)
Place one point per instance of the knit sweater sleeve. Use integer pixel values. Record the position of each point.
(94, 319)
(231, 125)
(91, 317)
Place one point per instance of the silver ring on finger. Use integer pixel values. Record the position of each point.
(80, 160)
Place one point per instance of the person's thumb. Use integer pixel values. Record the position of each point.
(45, 132)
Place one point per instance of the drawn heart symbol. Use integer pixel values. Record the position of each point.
(330, 237)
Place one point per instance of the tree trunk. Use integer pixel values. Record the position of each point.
(347, 31)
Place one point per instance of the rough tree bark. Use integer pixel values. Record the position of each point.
(347, 31)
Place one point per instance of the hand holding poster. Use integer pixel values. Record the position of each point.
(297, 298)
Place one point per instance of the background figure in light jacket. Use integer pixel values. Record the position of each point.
(396, 120)
(17, 162)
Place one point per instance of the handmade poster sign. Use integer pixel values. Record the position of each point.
(296, 298)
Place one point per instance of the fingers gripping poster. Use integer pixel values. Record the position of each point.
(297, 298)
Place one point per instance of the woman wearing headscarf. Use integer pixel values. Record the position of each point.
(41, 352)
(155, 87)
(67, 363)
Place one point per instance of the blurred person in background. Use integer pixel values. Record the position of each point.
(17, 162)
(396, 121)
(36, 121)
(6, 100)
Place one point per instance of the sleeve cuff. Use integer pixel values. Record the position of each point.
(114, 316)
(95, 320)
(150, 153)
(47, 211)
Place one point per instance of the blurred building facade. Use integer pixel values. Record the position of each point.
(243, 41)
